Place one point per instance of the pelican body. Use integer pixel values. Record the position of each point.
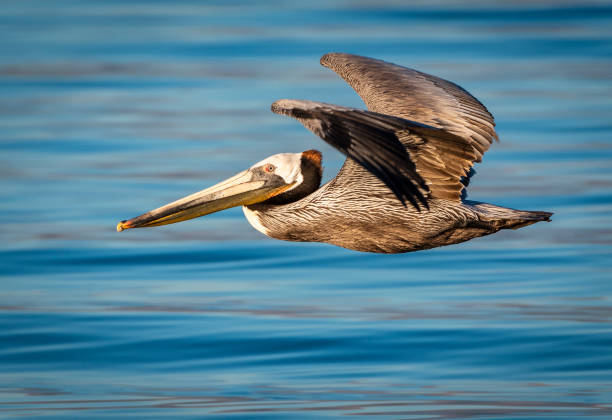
(402, 186)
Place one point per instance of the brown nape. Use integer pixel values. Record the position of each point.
(312, 172)
(314, 156)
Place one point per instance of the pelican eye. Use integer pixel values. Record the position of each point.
(268, 167)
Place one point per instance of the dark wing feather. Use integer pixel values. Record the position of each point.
(394, 90)
(401, 153)
(368, 138)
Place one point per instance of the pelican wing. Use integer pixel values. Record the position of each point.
(390, 148)
(394, 90)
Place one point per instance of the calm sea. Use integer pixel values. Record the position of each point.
(112, 108)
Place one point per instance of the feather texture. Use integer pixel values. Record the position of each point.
(402, 92)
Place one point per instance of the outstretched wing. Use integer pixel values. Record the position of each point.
(387, 146)
(398, 91)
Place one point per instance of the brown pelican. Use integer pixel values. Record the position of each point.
(402, 186)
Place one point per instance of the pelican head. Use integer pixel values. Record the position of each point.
(278, 179)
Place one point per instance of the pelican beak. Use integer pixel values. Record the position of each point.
(244, 189)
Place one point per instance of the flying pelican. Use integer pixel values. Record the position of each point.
(402, 186)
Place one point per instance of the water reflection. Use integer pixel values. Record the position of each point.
(317, 403)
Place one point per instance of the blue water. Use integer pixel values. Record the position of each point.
(111, 108)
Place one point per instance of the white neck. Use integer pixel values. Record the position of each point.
(254, 219)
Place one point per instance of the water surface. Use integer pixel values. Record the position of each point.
(111, 108)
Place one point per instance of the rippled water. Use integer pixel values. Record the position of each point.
(111, 108)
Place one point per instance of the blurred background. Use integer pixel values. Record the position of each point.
(111, 108)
